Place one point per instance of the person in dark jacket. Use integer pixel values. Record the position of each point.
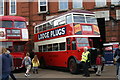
(117, 59)
(0, 62)
(12, 68)
(6, 64)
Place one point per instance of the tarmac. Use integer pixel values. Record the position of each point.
(58, 74)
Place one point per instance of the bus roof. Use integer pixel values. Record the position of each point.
(12, 18)
(71, 11)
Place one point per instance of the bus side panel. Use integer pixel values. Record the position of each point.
(74, 53)
(59, 58)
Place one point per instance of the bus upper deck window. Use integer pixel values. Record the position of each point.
(91, 19)
(79, 18)
(69, 19)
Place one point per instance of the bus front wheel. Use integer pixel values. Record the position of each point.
(73, 66)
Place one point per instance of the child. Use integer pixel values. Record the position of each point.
(99, 65)
(27, 62)
(35, 63)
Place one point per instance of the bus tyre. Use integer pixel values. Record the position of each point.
(73, 66)
(42, 63)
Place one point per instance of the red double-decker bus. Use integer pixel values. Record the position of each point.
(14, 36)
(60, 40)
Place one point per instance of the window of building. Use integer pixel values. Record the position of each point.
(117, 14)
(77, 3)
(100, 3)
(63, 4)
(42, 6)
(1, 7)
(12, 7)
(115, 2)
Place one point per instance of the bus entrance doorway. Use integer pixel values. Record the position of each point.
(95, 42)
(101, 25)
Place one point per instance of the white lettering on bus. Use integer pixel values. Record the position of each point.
(53, 33)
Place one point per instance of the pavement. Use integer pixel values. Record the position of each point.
(46, 74)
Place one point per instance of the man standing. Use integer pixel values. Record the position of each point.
(0, 62)
(117, 59)
(85, 62)
(6, 64)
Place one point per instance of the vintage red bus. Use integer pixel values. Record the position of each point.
(60, 40)
(14, 36)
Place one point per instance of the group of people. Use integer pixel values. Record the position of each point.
(86, 60)
(7, 65)
(99, 61)
(27, 63)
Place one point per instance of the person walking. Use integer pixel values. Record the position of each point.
(99, 65)
(117, 59)
(6, 64)
(27, 62)
(85, 62)
(12, 68)
(35, 63)
(0, 62)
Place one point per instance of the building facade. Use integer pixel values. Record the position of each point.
(36, 11)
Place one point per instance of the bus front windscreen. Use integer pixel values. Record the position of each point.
(81, 42)
(18, 48)
(20, 24)
(6, 24)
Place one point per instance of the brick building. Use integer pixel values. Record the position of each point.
(35, 11)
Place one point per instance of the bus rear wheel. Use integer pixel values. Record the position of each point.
(73, 66)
